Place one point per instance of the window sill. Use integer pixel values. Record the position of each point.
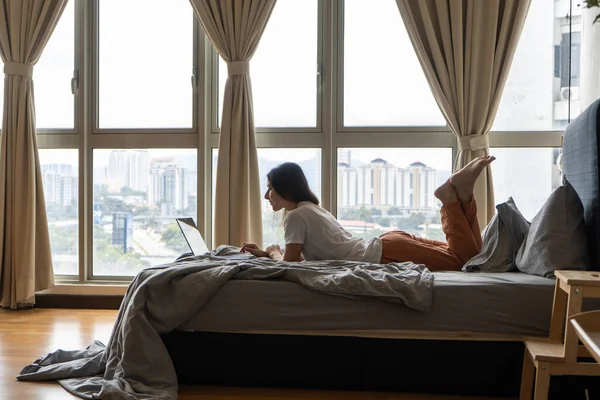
(91, 289)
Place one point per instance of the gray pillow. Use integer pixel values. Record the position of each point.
(556, 238)
(501, 240)
(515, 225)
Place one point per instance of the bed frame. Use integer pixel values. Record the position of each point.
(439, 363)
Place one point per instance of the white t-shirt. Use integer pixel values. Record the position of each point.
(323, 238)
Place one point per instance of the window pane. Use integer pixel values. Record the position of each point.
(60, 177)
(137, 196)
(53, 73)
(384, 84)
(380, 190)
(284, 68)
(145, 64)
(536, 95)
(308, 159)
(528, 175)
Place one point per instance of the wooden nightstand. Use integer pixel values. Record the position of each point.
(557, 354)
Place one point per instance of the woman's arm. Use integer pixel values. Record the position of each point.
(293, 252)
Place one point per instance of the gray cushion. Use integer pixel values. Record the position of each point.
(501, 240)
(515, 226)
(556, 238)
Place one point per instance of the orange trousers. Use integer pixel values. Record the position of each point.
(463, 241)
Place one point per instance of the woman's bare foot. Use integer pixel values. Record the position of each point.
(446, 193)
(464, 179)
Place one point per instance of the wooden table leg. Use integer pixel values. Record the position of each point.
(559, 308)
(571, 339)
(527, 377)
(542, 381)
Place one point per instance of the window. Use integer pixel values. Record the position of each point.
(528, 175)
(383, 189)
(145, 64)
(537, 95)
(52, 75)
(284, 68)
(137, 196)
(60, 178)
(308, 159)
(380, 152)
(384, 84)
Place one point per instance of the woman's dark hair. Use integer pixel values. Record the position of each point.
(289, 182)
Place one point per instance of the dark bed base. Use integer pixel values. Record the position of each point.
(347, 363)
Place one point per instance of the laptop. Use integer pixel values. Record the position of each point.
(192, 236)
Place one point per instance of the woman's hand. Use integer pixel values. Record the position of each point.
(274, 252)
(253, 249)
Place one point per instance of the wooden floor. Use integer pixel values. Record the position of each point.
(25, 335)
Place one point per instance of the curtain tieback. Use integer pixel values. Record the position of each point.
(238, 68)
(15, 68)
(473, 142)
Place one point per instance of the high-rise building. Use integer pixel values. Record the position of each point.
(167, 186)
(380, 183)
(423, 185)
(129, 168)
(60, 186)
(347, 185)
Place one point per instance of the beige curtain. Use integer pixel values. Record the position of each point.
(25, 256)
(235, 27)
(466, 49)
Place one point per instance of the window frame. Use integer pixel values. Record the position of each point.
(75, 81)
(329, 134)
(319, 68)
(95, 87)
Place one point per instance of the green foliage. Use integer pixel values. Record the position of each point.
(63, 239)
(360, 214)
(127, 191)
(412, 222)
(173, 239)
(113, 258)
(393, 211)
(385, 221)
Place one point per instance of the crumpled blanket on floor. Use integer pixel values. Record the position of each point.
(136, 365)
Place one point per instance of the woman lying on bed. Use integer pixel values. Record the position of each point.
(312, 233)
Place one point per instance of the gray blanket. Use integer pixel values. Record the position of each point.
(135, 363)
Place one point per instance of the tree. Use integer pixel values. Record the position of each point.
(109, 258)
(63, 239)
(173, 239)
(393, 211)
(413, 221)
(385, 221)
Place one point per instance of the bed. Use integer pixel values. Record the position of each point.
(341, 324)
(279, 334)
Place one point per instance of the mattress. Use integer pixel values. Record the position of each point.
(480, 303)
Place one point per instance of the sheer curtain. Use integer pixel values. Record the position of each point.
(235, 27)
(466, 49)
(26, 259)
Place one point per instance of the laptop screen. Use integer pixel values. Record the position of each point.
(192, 236)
